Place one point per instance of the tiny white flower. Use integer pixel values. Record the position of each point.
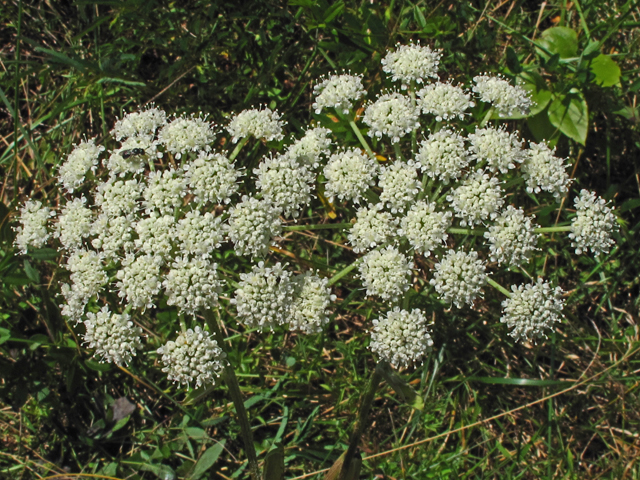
(155, 234)
(593, 224)
(309, 149)
(192, 284)
(339, 92)
(444, 101)
(187, 134)
(411, 63)
(386, 273)
(199, 234)
(512, 239)
(401, 338)
(309, 308)
(139, 280)
(400, 185)
(477, 199)
(543, 171)
(113, 234)
(165, 191)
(212, 178)
(32, 231)
(504, 97)
(497, 148)
(443, 155)
(114, 336)
(74, 305)
(285, 183)
(253, 224)
(532, 309)
(264, 123)
(83, 158)
(118, 197)
(459, 277)
(349, 174)
(144, 123)
(393, 115)
(264, 297)
(74, 223)
(87, 274)
(194, 355)
(373, 227)
(425, 228)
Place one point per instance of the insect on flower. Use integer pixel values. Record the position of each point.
(129, 153)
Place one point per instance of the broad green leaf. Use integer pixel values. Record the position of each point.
(542, 129)
(99, 367)
(570, 114)
(206, 461)
(196, 433)
(560, 40)
(402, 388)
(121, 423)
(538, 91)
(32, 273)
(512, 61)
(163, 472)
(274, 464)
(606, 71)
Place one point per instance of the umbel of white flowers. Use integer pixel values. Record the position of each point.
(144, 222)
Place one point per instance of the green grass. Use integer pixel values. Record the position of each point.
(566, 408)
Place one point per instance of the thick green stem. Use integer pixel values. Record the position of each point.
(239, 146)
(345, 271)
(229, 376)
(396, 149)
(363, 416)
(498, 287)
(363, 142)
(487, 117)
(566, 228)
(466, 231)
(319, 226)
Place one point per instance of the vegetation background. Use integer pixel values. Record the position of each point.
(566, 408)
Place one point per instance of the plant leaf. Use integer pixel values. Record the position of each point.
(402, 388)
(206, 461)
(570, 114)
(560, 40)
(274, 464)
(606, 71)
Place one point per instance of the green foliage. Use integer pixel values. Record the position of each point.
(79, 66)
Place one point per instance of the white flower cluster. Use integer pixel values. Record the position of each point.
(496, 148)
(192, 284)
(314, 144)
(114, 336)
(401, 338)
(87, 274)
(212, 178)
(165, 191)
(444, 101)
(187, 134)
(373, 227)
(309, 308)
(393, 115)
(74, 223)
(112, 235)
(257, 123)
(386, 273)
(32, 231)
(264, 296)
(425, 228)
(155, 234)
(443, 155)
(253, 224)
(199, 234)
(349, 174)
(118, 197)
(339, 92)
(512, 239)
(459, 277)
(400, 185)
(504, 97)
(411, 63)
(139, 124)
(285, 184)
(542, 170)
(478, 198)
(83, 158)
(193, 356)
(593, 224)
(532, 309)
(139, 280)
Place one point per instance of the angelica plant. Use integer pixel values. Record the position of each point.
(431, 190)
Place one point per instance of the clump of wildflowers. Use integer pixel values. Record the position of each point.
(373, 227)
(459, 277)
(114, 336)
(309, 310)
(310, 148)
(444, 101)
(401, 338)
(253, 224)
(33, 231)
(144, 123)
(192, 284)
(478, 198)
(393, 115)
(187, 134)
(339, 92)
(74, 223)
(425, 228)
(211, 178)
(411, 63)
(386, 273)
(543, 171)
(512, 239)
(349, 174)
(503, 96)
(496, 148)
(443, 155)
(263, 123)
(83, 158)
(194, 355)
(593, 224)
(400, 185)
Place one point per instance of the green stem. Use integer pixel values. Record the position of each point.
(498, 287)
(427, 182)
(566, 228)
(345, 271)
(319, 226)
(239, 146)
(363, 415)
(229, 376)
(396, 149)
(466, 231)
(363, 142)
(487, 117)
(16, 106)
